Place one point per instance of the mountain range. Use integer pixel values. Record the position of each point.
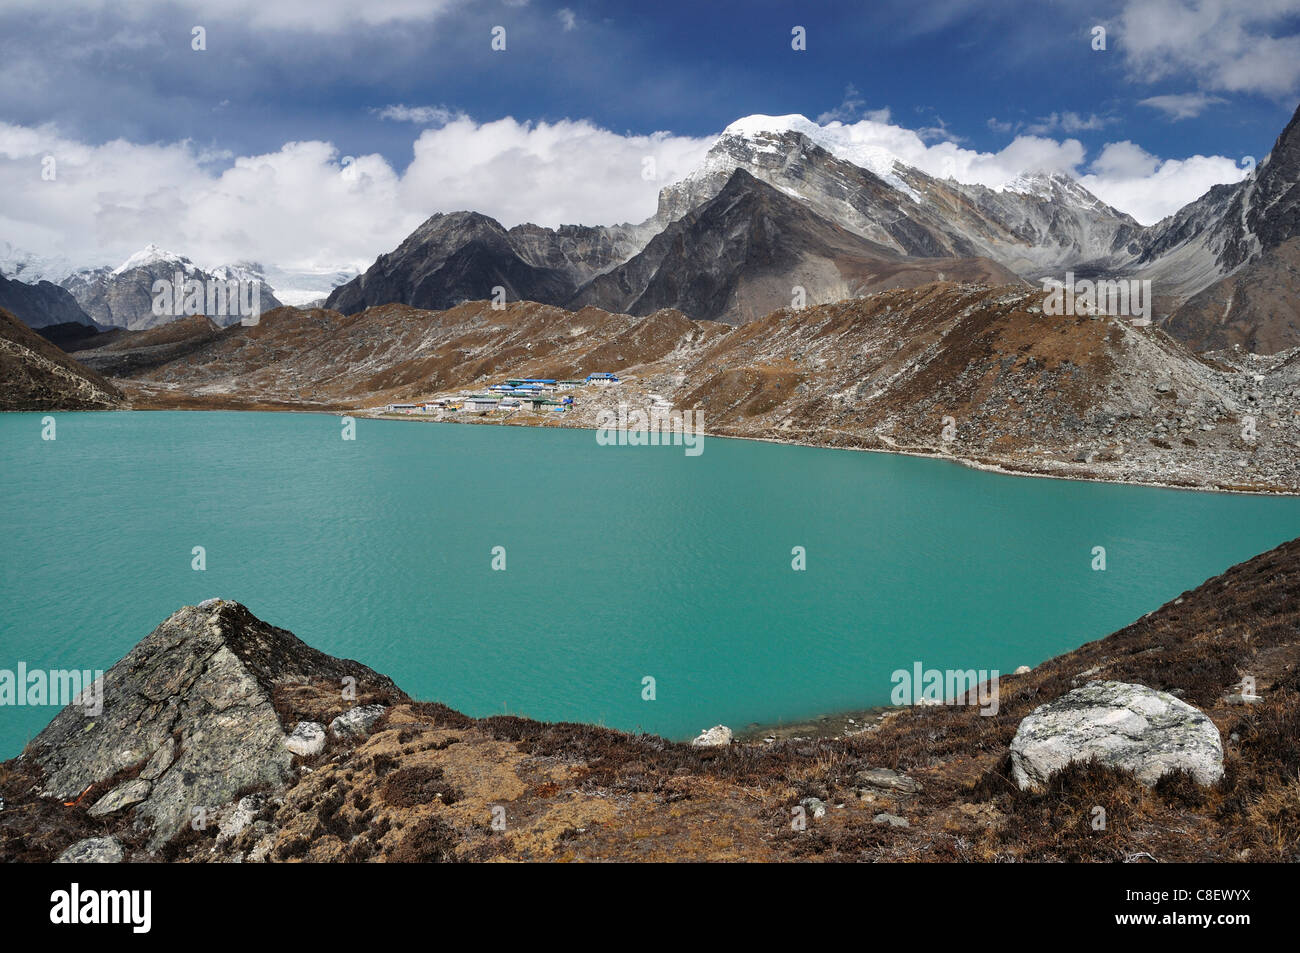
(783, 208)
(48, 292)
(783, 212)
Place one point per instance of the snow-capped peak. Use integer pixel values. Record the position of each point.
(151, 254)
(1052, 185)
(852, 143)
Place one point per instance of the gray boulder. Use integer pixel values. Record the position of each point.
(814, 806)
(308, 738)
(1127, 726)
(93, 850)
(192, 705)
(238, 818)
(122, 796)
(357, 722)
(719, 736)
(888, 781)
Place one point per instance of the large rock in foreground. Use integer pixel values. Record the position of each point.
(192, 703)
(1126, 726)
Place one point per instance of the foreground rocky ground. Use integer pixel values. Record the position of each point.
(226, 739)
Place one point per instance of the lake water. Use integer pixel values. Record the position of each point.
(621, 562)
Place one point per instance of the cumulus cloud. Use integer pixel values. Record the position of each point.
(305, 206)
(1128, 177)
(568, 19)
(557, 173)
(1237, 46)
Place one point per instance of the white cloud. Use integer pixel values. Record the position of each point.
(1225, 45)
(305, 206)
(1128, 177)
(875, 145)
(565, 172)
(567, 18)
(1181, 105)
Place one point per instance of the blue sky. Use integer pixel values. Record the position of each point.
(1179, 78)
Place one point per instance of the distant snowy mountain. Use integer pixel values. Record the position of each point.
(31, 268)
(123, 297)
(150, 256)
(115, 296)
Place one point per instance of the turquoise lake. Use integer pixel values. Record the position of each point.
(621, 562)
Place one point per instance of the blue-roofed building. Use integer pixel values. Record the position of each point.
(602, 377)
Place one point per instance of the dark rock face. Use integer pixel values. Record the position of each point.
(741, 255)
(189, 712)
(1231, 257)
(120, 353)
(580, 251)
(702, 263)
(70, 336)
(36, 375)
(1269, 201)
(462, 256)
(42, 304)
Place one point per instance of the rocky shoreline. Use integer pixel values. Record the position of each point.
(1009, 467)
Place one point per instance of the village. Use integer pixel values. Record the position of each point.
(536, 394)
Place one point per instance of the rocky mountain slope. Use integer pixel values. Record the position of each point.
(323, 358)
(41, 304)
(1231, 256)
(463, 256)
(1256, 307)
(218, 712)
(742, 253)
(1077, 396)
(1040, 223)
(36, 375)
(1086, 397)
